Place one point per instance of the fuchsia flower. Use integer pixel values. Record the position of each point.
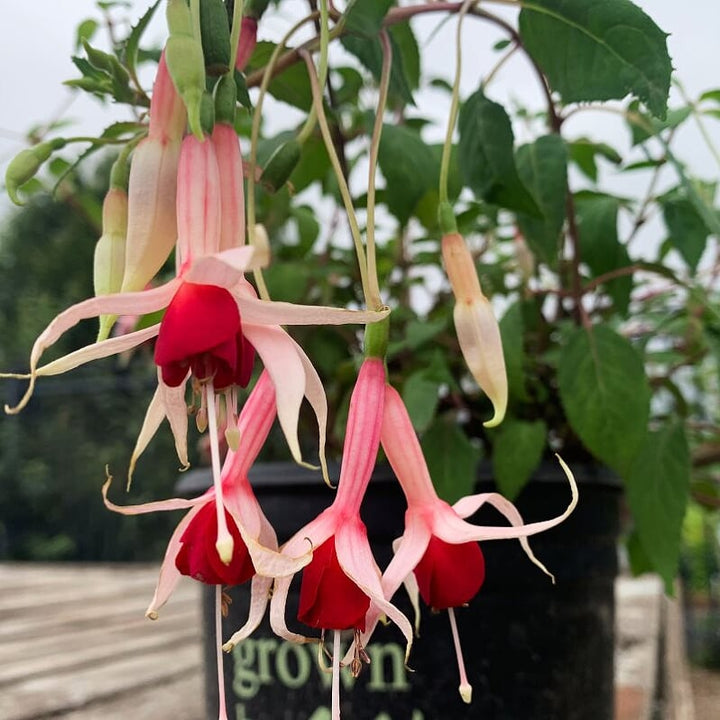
(225, 539)
(213, 322)
(438, 554)
(193, 547)
(342, 581)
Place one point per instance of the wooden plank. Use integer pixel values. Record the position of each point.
(47, 696)
(180, 699)
(74, 639)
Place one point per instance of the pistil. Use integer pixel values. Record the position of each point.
(465, 687)
(224, 543)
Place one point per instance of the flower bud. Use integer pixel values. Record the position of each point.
(167, 111)
(281, 165)
(25, 165)
(477, 329)
(152, 223)
(246, 43)
(185, 61)
(225, 94)
(215, 34)
(109, 265)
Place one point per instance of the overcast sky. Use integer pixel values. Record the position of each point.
(38, 37)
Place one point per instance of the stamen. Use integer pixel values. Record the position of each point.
(465, 687)
(224, 543)
(323, 653)
(201, 419)
(222, 710)
(359, 655)
(336, 676)
(232, 434)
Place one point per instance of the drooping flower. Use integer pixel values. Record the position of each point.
(438, 553)
(342, 582)
(196, 547)
(207, 278)
(225, 539)
(475, 324)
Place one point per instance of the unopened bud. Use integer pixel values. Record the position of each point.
(25, 165)
(109, 263)
(246, 43)
(215, 33)
(225, 100)
(281, 165)
(167, 111)
(477, 329)
(185, 61)
(152, 219)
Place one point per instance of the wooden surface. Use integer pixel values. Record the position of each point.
(74, 643)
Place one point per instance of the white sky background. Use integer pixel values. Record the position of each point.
(37, 38)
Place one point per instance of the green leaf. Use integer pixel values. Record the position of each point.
(640, 563)
(417, 334)
(313, 165)
(486, 158)
(600, 247)
(584, 153)
(406, 42)
(517, 451)
(643, 126)
(688, 231)
(420, 394)
(308, 228)
(658, 487)
(292, 85)
(712, 95)
(598, 50)
(542, 167)
(407, 164)
(133, 41)
(511, 332)
(369, 53)
(85, 31)
(451, 459)
(605, 394)
(366, 18)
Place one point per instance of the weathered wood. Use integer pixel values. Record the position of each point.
(74, 643)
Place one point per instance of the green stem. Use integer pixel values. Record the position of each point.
(454, 105)
(235, 33)
(311, 121)
(375, 299)
(257, 116)
(342, 183)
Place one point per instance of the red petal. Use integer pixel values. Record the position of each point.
(450, 575)
(198, 319)
(329, 599)
(246, 360)
(198, 557)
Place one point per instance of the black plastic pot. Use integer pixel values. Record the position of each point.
(533, 650)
